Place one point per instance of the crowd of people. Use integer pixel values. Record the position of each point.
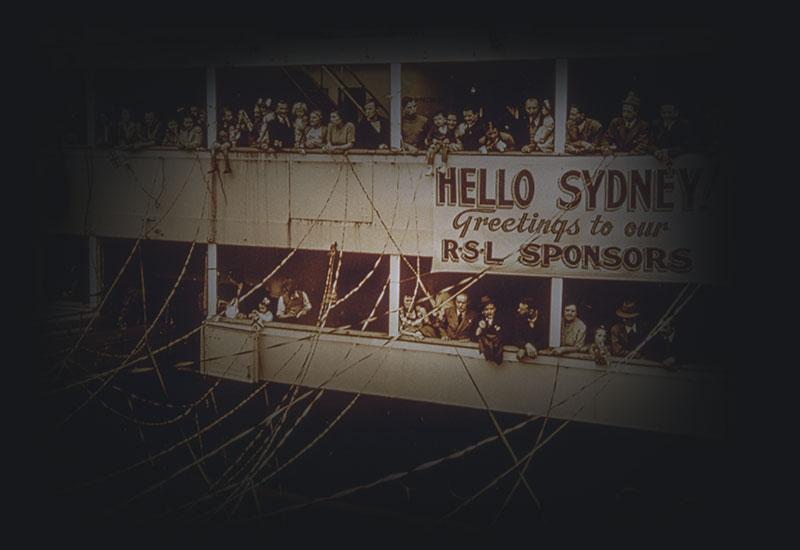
(280, 125)
(452, 319)
(443, 317)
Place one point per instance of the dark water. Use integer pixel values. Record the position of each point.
(586, 475)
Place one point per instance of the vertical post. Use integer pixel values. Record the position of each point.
(561, 106)
(556, 299)
(211, 105)
(395, 87)
(394, 295)
(94, 273)
(88, 83)
(211, 280)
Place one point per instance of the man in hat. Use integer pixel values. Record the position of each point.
(458, 321)
(489, 332)
(293, 303)
(524, 329)
(628, 133)
(573, 332)
(413, 126)
(627, 334)
(534, 131)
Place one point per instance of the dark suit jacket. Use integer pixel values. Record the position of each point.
(677, 140)
(633, 140)
(464, 330)
(622, 343)
(368, 138)
(279, 132)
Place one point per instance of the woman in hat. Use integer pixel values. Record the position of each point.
(489, 332)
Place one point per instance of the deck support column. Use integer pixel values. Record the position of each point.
(394, 295)
(211, 280)
(560, 106)
(556, 299)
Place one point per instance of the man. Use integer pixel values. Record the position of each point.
(190, 136)
(372, 132)
(458, 321)
(489, 332)
(524, 329)
(293, 303)
(583, 133)
(536, 131)
(573, 332)
(412, 126)
(627, 334)
(495, 141)
(413, 320)
(670, 136)
(281, 130)
(627, 134)
(472, 130)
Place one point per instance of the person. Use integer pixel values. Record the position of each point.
(372, 131)
(599, 347)
(171, 135)
(452, 129)
(583, 133)
(627, 334)
(300, 114)
(458, 321)
(341, 134)
(534, 132)
(315, 135)
(670, 136)
(281, 130)
(190, 136)
(261, 131)
(490, 332)
(412, 126)
(471, 130)
(413, 320)
(440, 304)
(152, 133)
(128, 132)
(495, 141)
(222, 146)
(662, 347)
(293, 303)
(573, 332)
(261, 314)
(245, 131)
(524, 332)
(437, 141)
(628, 133)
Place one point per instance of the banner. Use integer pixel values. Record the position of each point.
(580, 217)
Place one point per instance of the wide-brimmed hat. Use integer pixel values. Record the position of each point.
(632, 99)
(628, 310)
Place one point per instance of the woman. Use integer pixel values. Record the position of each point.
(341, 135)
(315, 135)
(300, 114)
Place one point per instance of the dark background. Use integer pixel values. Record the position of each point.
(599, 476)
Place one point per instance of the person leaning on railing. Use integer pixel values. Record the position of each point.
(341, 134)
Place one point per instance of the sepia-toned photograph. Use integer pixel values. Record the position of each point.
(447, 280)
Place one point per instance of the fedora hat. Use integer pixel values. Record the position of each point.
(628, 310)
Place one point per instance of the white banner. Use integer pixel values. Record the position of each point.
(581, 217)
